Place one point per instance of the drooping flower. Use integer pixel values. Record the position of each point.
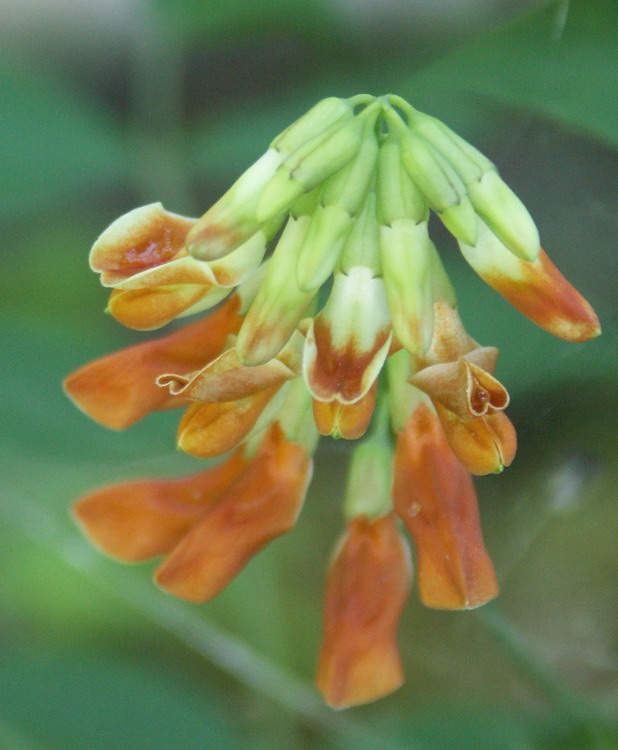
(351, 312)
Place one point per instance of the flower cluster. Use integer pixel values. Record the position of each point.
(350, 321)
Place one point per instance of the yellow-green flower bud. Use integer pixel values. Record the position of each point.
(319, 118)
(407, 264)
(315, 161)
(505, 215)
(279, 304)
(398, 196)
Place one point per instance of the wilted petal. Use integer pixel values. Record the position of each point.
(348, 341)
(537, 289)
(140, 239)
(435, 498)
(260, 505)
(367, 586)
(134, 521)
(349, 421)
(209, 430)
(484, 445)
(225, 379)
(118, 390)
(463, 387)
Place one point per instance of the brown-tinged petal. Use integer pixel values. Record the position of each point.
(435, 498)
(349, 340)
(140, 239)
(349, 421)
(537, 289)
(484, 445)
(226, 379)
(208, 430)
(261, 504)
(134, 521)
(464, 387)
(119, 389)
(366, 589)
(450, 339)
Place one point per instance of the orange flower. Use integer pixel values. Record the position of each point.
(135, 521)
(367, 586)
(142, 256)
(351, 185)
(262, 503)
(435, 498)
(119, 389)
(457, 375)
(208, 525)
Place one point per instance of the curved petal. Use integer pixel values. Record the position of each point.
(140, 239)
(225, 379)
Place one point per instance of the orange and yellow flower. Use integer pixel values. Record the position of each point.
(349, 326)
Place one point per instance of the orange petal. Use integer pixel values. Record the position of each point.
(537, 289)
(434, 496)
(134, 521)
(118, 390)
(151, 308)
(208, 430)
(261, 504)
(349, 421)
(484, 445)
(366, 590)
(140, 239)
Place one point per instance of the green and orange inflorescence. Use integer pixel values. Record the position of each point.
(349, 325)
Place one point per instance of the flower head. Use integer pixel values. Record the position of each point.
(348, 325)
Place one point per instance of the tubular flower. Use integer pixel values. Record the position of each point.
(330, 313)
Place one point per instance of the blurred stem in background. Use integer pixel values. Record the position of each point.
(156, 100)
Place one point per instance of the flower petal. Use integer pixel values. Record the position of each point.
(140, 239)
(367, 586)
(149, 309)
(462, 386)
(208, 430)
(119, 389)
(349, 421)
(225, 379)
(537, 289)
(349, 340)
(484, 445)
(435, 498)
(261, 504)
(134, 521)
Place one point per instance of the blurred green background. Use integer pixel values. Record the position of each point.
(110, 104)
